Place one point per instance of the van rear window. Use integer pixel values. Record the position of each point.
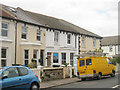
(82, 63)
(88, 62)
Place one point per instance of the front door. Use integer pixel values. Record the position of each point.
(42, 57)
(49, 59)
(55, 59)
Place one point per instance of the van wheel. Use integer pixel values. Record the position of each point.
(83, 79)
(99, 76)
(113, 74)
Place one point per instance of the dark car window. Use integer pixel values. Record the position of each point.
(23, 71)
(88, 62)
(82, 63)
(11, 72)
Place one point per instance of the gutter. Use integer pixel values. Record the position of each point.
(48, 27)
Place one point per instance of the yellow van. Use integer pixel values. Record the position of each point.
(94, 67)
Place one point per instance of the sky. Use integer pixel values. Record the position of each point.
(97, 16)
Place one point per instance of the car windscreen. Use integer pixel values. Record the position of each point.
(88, 62)
(81, 63)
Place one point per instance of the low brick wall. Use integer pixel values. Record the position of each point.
(47, 74)
(52, 74)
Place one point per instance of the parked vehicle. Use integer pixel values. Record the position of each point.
(94, 67)
(18, 77)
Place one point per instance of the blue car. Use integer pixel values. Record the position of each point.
(18, 77)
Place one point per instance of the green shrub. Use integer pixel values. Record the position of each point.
(32, 65)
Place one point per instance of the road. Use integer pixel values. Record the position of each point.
(105, 82)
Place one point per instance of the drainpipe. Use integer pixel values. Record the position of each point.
(15, 41)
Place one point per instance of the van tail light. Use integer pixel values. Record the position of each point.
(94, 71)
(77, 73)
(36, 76)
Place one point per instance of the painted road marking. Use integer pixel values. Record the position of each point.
(116, 86)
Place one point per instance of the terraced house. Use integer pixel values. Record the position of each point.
(28, 37)
(59, 41)
(111, 46)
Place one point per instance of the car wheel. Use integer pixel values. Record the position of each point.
(83, 79)
(99, 76)
(34, 86)
(113, 74)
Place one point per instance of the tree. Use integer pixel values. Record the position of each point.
(118, 60)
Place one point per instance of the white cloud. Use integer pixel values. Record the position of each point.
(98, 16)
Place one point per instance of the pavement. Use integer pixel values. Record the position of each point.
(49, 84)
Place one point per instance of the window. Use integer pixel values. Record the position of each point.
(4, 30)
(69, 39)
(63, 58)
(24, 32)
(35, 54)
(83, 41)
(23, 71)
(39, 35)
(11, 72)
(88, 62)
(118, 47)
(109, 62)
(26, 57)
(82, 63)
(56, 36)
(3, 57)
(93, 43)
(55, 57)
(71, 58)
(110, 48)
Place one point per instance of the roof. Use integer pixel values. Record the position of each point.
(110, 40)
(59, 23)
(5, 12)
(48, 21)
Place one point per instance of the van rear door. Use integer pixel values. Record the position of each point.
(81, 66)
(89, 67)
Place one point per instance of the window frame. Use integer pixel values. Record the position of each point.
(24, 32)
(72, 59)
(68, 38)
(5, 29)
(5, 59)
(118, 47)
(83, 41)
(26, 59)
(94, 43)
(38, 35)
(56, 58)
(110, 48)
(63, 59)
(56, 36)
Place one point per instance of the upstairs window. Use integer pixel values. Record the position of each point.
(24, 33)
(110, 49)
(38, 35)
(4, 30)
(83, 41)
(118, 47)
(69, 39)
(93, 43)
(56, 36)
